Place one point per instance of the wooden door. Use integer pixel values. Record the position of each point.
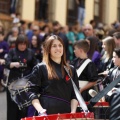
(71, 12)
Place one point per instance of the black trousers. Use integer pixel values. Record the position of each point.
(54, 106)
(114, 102)
(13, 112)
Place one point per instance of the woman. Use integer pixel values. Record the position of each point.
(36, 47)
(94, 53)
(106, 60)
(20, 61)
(54, 84)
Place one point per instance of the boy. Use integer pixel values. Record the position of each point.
(86, 70)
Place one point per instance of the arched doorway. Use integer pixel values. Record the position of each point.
(71, 11)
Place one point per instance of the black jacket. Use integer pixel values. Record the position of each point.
(27, 60)
(61, 88)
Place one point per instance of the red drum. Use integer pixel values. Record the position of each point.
(67, 116)
(102, 104)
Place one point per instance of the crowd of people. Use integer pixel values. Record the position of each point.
(41, 51)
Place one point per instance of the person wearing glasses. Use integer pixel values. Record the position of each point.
(54, 84)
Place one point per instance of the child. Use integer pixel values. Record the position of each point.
(113, 96)
(85, 68)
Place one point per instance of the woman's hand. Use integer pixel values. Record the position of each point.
(1, 50)
(2, 61)
(14, 64)
(42, 113)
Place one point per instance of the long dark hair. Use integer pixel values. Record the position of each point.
(46, 57)
(93, 46)
(38, 42)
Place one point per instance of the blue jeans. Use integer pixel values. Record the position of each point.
(81, 15)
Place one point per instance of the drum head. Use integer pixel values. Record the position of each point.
(19, 84)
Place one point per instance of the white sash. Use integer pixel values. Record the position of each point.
(82, 83)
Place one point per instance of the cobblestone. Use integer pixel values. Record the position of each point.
(3, 106)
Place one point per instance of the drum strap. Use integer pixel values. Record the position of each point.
(95, 99)
(77, 93)
(82, 67)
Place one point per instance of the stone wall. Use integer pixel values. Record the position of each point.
(6, 22)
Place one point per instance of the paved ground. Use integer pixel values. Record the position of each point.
(3, 106)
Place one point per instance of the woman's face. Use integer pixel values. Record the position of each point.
(116, 59)
(104, 46)
(34, 40)
(56, 50)
(22, 46)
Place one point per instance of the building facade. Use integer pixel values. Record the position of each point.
(65, 11)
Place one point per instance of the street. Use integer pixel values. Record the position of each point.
(3, 106)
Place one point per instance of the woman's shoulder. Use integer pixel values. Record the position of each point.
(41, 65)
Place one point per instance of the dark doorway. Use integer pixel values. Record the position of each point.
(71, 12)
(41, 9)
(98, 10)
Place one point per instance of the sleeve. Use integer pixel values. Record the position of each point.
(92, 74)
(9, 58)
(34, 60)
(6, 48)
(35, 80)
(35, 76)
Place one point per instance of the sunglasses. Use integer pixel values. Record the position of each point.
(87, 29)
(35, 30)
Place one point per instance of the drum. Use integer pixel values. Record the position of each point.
(19, 90)
(67, 116)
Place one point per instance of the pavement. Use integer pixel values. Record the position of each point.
(3, 106)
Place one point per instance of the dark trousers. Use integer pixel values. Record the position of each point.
(114, 102)
(54, 106)
(13, 112)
